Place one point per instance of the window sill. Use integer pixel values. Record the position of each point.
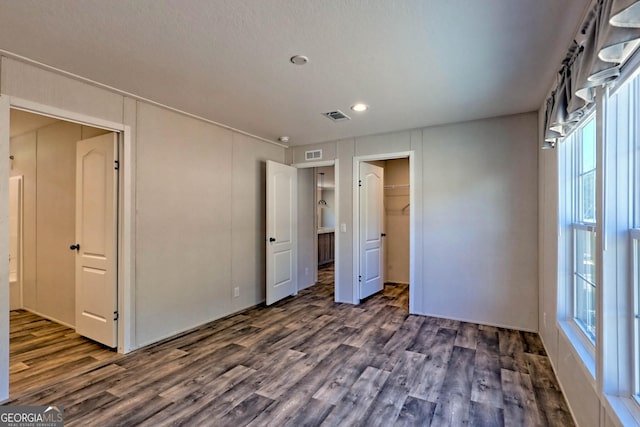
(586, 353)
(622, 409)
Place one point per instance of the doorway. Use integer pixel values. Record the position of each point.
(384, 264)
(44, 344)
(325, 220)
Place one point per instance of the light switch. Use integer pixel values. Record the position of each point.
(343, 227)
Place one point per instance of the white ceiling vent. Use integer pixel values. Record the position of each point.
(336, 116)
(313, 155)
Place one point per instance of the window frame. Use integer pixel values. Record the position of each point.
(634, 236)
(573, 188)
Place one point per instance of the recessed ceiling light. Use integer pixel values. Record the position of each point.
(299, 59)
(359, 107)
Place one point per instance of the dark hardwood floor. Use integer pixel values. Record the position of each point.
(308, 361)
(44, 352)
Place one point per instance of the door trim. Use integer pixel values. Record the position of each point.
(337, 233)
(126, 216)
(412, 220)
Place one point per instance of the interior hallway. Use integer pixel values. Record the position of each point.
(307, 360)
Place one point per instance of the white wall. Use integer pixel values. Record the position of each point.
(199, 206)
(481, 221)
(476, 214)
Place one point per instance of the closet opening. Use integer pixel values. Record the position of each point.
(63, 204)
(384, 228)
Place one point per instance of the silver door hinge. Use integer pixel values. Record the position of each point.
(359, 183)
(116, 164)
(115, 315)
(359, 278)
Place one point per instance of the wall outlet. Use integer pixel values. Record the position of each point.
(544, 319)
(236, 292)
(306, 271)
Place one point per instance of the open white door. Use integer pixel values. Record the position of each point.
(282, 234)
(371, 211)
(96, 207)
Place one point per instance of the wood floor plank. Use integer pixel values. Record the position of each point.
(487, 381)
(482, 414)
(311, 414)
(334, 389)
(512, 350)
(431, 376)
(185, 405)
(532, 343)
(285, 408)
(415, 412)
(245, 411)
(547, 391)
(387, 406)
(454, 400)
(75, 389)
(467, 335)
(399, 341)
(520, 407)
(355, 404)
(428, 330)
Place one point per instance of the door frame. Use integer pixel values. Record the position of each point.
(336, 244)
(125, 263)
(412, 220)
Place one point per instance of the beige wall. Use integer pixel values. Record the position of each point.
(200, 222)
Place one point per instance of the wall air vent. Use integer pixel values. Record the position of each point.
(336, 116)
(313, 155)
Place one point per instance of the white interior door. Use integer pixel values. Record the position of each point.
(282, 235)
(96, 287)
(371, 218)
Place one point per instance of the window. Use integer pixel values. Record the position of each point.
(635, 236)
(581, 190)
(622, 230)
(632, 93)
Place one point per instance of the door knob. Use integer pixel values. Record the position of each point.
(75, 247)
(271, 239)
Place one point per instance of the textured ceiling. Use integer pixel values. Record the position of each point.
(415, 62)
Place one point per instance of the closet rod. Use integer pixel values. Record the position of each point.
(394, 186)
